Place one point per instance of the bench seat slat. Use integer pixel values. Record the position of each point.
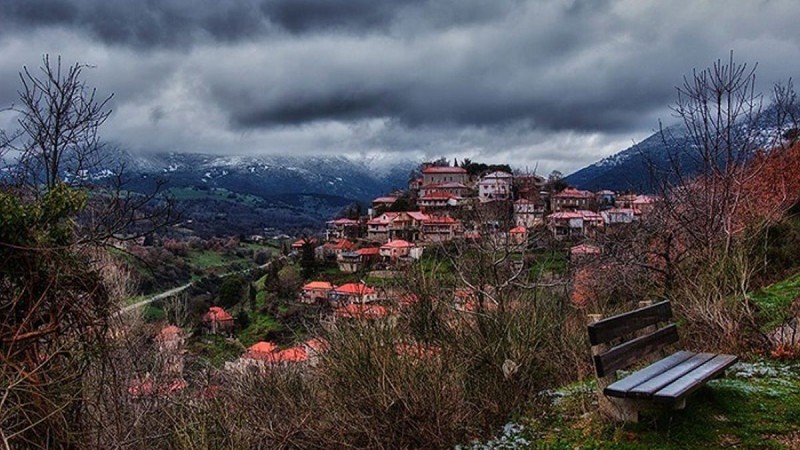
(653, 385)
(620, 388)
(695, 379)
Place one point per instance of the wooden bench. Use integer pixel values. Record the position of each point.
(666, 382)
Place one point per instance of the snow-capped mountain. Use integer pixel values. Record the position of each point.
(266, 176)
(632, 168)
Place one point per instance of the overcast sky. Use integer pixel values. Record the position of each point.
(557, 83)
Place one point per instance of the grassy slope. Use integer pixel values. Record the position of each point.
(776, 299)
(757, 406)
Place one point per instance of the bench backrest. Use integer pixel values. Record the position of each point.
(624, 354)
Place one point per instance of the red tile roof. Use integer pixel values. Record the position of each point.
(644, 199)
(438, 195)
(440, 220)
(354, 289)
(267, 351)
(571, 192)
(341, 244)
(369, 251)
(260, 350)
(417, 215)
(216, 314)
(443, 169)
(293, 354)
(397, 243)
(565, 215)
(580, 214)
(518, 230)
(322, 285)
(383, 219)
(448, 185)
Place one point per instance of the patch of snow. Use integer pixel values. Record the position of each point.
(511, 438)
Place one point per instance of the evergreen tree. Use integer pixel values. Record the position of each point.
(307, 261)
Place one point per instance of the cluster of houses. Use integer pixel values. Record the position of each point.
(439, 206)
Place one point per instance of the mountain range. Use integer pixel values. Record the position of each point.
(632, 169)
(246, 194)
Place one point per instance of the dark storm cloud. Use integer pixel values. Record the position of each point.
(337, 106)
(314, 15)
(524, 79)
(166, 23)
(150, 23)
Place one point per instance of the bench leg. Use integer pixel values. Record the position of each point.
(680, 404)
(619, 409)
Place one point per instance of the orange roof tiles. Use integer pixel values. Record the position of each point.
(571, 192)
(322, 285)
(354, 289)
(417, 215)
(438, 195)
(340, 244)
(369, 251)
(518, 230)
(440, 220)
(397, 243)
(580, 214)
(293, 354)
(261, 348)
(216, 314)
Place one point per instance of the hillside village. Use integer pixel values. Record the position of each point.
(476, 307)
(258, 306)
(520, 214)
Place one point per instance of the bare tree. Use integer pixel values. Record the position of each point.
(57, 290)
(59, 119)
(723, 127)
(58, 141)
(702, 238)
